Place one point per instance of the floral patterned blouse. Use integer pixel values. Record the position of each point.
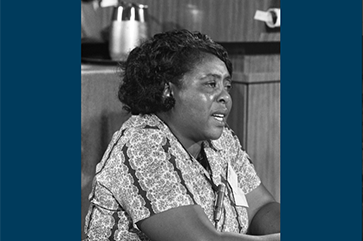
(145, 170)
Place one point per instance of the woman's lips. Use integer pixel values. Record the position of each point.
(219, 117)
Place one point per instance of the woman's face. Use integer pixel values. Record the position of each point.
(202, 103)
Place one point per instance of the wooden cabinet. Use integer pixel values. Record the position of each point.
(255, 117)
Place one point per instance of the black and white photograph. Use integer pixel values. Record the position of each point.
(200, 120)
(180, 120)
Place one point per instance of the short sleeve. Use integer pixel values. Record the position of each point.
(246, 173)
(100, 218)
(241, 163)
(106, 219)
(155, 183)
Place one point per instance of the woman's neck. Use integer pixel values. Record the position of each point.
(192, 147)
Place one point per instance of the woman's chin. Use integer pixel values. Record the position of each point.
(216, 134)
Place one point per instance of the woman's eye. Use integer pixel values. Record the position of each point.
(228, 87)
(212, 84)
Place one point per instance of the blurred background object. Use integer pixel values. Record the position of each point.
(128, 28)
(94, 21)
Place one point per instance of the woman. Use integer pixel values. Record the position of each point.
(175, 171)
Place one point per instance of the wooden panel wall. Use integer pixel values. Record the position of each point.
(263, 133)
(255, 115)
(255, 118)
(237, 119)
(224, 21)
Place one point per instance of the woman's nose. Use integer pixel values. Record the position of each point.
(224, 96)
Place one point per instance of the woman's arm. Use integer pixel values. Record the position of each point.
(190, 223)
(266, 220)
(263, 212)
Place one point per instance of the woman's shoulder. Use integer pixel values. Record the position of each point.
(141, 121)
(143, 127)
(138, 134)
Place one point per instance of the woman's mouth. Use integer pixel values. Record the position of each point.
(219, 117)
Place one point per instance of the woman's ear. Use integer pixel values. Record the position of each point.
(168, 99)
(167, 91)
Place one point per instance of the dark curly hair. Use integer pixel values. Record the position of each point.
(164, 58)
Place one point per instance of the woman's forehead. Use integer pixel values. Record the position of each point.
(210, 66)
